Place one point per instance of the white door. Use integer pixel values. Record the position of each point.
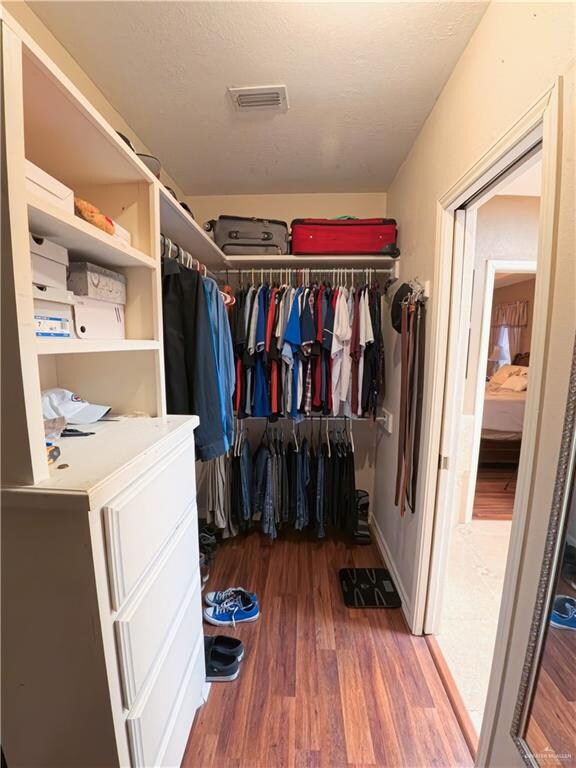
(497, 749)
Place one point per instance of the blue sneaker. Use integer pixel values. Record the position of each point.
(235, 610)
(217, 598)
(564, 612)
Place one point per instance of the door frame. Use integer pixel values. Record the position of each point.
(543, 119)
(492, 267)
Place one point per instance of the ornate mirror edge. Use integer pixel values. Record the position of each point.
(557, 515)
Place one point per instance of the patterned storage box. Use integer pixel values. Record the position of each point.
(95, 282)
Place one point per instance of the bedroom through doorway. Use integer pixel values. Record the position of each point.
(503, 237)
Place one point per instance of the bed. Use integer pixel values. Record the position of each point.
(503, 416)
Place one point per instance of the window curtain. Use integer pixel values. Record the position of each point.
(508, 320)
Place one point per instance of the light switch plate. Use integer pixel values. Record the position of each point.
(387, 420)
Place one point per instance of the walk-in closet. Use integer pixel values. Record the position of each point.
(235, 355)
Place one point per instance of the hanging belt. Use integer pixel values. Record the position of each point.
(412, 351)
(420, 356)
(407, 356)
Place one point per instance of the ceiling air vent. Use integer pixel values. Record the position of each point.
(260, 97)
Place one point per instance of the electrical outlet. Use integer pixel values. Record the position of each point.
(387, 421)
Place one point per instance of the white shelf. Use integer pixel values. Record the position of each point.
(82, 239)
(298, 261)
(47, 346)
(180, 227)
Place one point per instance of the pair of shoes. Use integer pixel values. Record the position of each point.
(563, 612)
(231, 606)
(222, 655)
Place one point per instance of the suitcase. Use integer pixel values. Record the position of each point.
(241, 235)
(343, 236)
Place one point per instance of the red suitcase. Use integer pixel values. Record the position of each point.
(343, 236)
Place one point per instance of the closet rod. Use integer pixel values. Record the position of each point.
(176, 252)
(354, 419)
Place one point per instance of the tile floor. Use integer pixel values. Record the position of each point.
(471, 604)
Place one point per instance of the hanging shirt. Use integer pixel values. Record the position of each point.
(366, 337)
(340, 351)
(292, 340)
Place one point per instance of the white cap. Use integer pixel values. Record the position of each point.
(61, 402)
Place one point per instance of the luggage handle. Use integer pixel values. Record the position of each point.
(234, 234)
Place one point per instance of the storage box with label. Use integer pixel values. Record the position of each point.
(49, 262)
(97, 319)
(41, 184)
(53, 315)
(95, 282)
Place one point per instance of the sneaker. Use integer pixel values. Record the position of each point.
(229, 645)
(217, 598)
(220, 667)
(236, 610)
(564, 612)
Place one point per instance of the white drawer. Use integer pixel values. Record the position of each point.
(139, 520)
(193, 694)
(145, 620)
(149, 721)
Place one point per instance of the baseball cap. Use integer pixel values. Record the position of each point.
(61, 402)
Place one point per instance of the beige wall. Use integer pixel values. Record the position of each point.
(515, 55)
(288, 207)
(523, 291)
(28, 20)
(507, 228)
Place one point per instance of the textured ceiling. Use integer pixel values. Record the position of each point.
(361, 77)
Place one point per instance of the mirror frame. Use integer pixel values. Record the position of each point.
(565, 475)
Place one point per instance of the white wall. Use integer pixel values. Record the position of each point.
(288, 207)
(515, 55)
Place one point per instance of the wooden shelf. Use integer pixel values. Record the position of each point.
(47, 346)
(180, 227)
(83, 240)
(298, 261)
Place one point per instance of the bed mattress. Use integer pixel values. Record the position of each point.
(503, 412)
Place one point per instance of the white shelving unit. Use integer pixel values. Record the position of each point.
(48, 121)
(103, 542)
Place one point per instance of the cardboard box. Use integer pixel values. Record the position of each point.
(86, 279)
(49, 262)
(40, 183)
(53, 314)
(122, 234)
(96, 319)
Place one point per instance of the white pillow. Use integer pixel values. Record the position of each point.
(515, 383)
(506, 371)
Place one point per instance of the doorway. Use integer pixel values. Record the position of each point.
(489, 390)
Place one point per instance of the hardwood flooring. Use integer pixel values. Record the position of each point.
(321, 684)
(494, 495)
(551, 725)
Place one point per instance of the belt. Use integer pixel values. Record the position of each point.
(411, 391)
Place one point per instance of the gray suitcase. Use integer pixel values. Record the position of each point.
(240, 235)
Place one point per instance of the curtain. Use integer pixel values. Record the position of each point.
(508, 320)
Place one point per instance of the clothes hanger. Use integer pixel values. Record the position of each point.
(294, 435)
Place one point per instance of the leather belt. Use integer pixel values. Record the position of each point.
(411, 391)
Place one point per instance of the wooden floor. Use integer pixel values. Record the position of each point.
(321, 684)
(551, 724)
(494, 496)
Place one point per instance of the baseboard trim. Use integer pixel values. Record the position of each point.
(454, 697)
(391, 565)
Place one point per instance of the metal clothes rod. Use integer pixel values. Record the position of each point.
(184, 257)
